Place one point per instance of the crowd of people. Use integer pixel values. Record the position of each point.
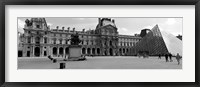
(168, 57)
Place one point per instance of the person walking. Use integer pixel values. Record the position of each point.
(166, 57)
(178, 58)
(170, 57)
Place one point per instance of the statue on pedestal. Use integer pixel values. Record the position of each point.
(75, 39)
(75, 49)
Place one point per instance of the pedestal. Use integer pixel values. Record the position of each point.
(74, 52)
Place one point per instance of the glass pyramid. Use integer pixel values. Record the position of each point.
(159, 42)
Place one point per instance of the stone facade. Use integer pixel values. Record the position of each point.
(40, 41)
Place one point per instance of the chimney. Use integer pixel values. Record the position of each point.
(109, 19)
(83, 30)
(100, 21)
(57, 27)
(113, 21)
(68, 29)
(63, 28)
(73, 29)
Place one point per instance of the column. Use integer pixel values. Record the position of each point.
(51, 50)
(91, 51)
(57, 51)
(41, 51)
(114, 51)
(86, 51)
(33, 51)
(31, 47)
(96, 51)
(64, 52)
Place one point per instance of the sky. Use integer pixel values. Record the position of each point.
(126, 26)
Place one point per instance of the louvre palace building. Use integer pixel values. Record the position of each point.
(38, 40)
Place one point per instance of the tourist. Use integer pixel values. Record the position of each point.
(178, 58)
(166, 57)
(50, 57)
(159, 56)
(170, 57)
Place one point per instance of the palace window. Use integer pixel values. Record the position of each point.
(110, 43)
(87, 42)
(66, 42)
(37, 40)
(38, 26)
(29, 39)
(60, 41)
(54, 41)
(92, 42)
(105, 43)
(45, 40)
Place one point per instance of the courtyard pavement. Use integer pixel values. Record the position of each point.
(100, 62)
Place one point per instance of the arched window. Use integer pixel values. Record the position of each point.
(54, 51)
(98, 51)
(83, 50)
(110, 43)
(88, 51)
(54, 41)
(66, 41)
(61, 51)
(60, 41)
(29, 39)
(45, 40)
(93, 51)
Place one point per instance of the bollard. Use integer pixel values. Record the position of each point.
(54, 60)
(62, 65)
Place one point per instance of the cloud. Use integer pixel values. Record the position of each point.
(171, 21)
(49, 24)
(81, 18)
(21, 26)
(124, 29)
(148, 27)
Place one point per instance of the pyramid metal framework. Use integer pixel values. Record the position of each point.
(159, 42)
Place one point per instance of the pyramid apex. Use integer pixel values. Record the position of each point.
(157, 25)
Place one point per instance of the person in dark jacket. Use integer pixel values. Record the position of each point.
(178, 58)
(166, 57)
(50, 57)
(170, 57)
